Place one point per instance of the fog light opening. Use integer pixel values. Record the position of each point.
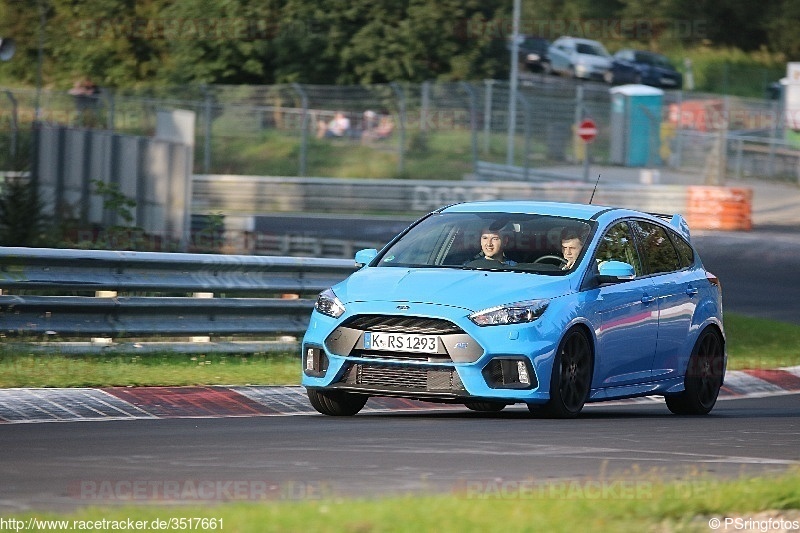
(509, 373)
(316, 362)
(522, 372)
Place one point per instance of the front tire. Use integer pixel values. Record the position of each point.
(703, 377)
(485, 407)
(571, 73)
(336, 403)
(571, 377)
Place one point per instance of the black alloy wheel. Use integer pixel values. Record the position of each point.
(571, 377)
(703, 377)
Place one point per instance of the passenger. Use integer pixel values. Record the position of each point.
(571, 246)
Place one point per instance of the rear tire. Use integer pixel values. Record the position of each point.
(703, 377)
(336, 403)
(571, 377)
(485, 407)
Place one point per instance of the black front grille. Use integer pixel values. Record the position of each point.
(403, 324)
(396, 378)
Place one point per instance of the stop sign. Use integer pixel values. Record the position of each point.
(587, 130)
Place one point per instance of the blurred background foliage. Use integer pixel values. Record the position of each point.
(134, 43)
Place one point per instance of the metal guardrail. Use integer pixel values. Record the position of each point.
(67, 272)
(66, 269)
(298, 245)
(495, 171)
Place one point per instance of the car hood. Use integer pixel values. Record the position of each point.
(472, 290)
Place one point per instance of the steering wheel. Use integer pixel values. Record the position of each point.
(555, 258)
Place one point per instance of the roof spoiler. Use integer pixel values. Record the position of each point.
(677, 222)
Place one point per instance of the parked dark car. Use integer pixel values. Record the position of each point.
(648, 68)
(532, 52)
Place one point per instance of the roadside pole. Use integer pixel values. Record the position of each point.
(587, 131)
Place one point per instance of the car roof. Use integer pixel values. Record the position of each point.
(563, 209)
(577, 40)
(602, 213)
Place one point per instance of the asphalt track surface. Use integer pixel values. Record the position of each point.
(759, 270)
(194, 461)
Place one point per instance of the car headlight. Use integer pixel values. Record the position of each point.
(328, 304)
(516, 313)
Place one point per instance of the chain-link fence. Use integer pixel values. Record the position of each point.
(429, 131)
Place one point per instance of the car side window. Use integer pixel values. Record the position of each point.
(618, 245)
(685, 250)
(659, 253)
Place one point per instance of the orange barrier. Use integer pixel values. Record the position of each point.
(721, 208)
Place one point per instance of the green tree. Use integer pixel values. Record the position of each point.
(448, 40)
(209, 41)
(781, 27)
(21, 219)
(123, 43)
(21, 21)
(106, 41)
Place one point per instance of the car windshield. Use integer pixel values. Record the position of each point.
(591, 49)
(653, 59)
(534, 44)
(527, 243)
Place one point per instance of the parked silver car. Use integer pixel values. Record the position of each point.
(579, 58)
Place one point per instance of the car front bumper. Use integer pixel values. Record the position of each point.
(503, 363)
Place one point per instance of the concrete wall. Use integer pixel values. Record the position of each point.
(156, 174)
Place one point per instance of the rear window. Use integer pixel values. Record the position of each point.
(685, 250)
(659, 253)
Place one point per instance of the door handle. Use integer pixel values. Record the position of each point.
(691, 291)
(648, 299)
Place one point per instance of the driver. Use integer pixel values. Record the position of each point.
(571, 246)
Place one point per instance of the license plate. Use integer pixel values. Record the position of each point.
(400, 342)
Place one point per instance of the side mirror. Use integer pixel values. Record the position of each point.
(615, 271)
(364, 257)
(7, 49)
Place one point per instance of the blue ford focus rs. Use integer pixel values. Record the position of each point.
(553, 305)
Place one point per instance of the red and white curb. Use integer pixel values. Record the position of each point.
(131, 403)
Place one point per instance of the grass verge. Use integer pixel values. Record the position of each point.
(19, 369)
(586, 505)
(761, 343)
(752, 343)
